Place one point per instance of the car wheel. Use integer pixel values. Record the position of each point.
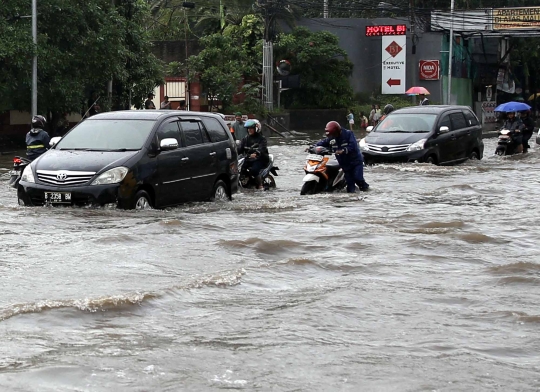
(142, 201)
(431, 160)
(500, 151)
(474, 156)
(308, 188)
(269, 182)
(220, 191)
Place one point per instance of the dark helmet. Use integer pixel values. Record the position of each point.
(39, 121)
(333, 129)
(388, 109)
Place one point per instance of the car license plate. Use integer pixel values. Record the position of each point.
(314, 157)
(58, 197)
(14, 173)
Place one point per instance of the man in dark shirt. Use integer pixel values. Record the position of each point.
(149, 104)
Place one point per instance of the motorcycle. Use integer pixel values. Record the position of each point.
(506, 144)
(19, 163)
(323, 174)
(246, 180)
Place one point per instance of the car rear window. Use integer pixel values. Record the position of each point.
(192, 133)
(215, 130)
(107, 135)
(471, 118)
(458, 121)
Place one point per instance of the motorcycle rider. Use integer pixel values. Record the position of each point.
(37, 139)
(386, 111)
(515, 125)
(348, 155)
(256, 146)
(528, 128)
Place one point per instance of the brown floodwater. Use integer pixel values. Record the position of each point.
(428, 282)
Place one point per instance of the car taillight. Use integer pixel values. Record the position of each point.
(234, 167)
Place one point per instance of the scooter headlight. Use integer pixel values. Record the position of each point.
(28, 175)
(417, 146)
(363, 145)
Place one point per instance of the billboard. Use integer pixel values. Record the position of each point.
(516, 18)
(394, 60)
(429, 69)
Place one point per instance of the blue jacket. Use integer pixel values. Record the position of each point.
(351, 156)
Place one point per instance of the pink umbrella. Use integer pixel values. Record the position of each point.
(417, 91)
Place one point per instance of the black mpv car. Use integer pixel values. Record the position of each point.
(136, 159)
(435, 134)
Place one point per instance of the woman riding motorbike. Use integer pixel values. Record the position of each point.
(254, 145)
(515, 125)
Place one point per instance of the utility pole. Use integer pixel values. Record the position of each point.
(190, 5)
(450, 53)
(34, 60)
(413, 49)
(325, 9)
(268, 8)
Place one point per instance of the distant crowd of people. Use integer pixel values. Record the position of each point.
(165, 105)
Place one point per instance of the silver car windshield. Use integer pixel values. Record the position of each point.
(107, 135)
(407, 123)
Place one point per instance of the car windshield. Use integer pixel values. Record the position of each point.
(107, 135)
(407, 123)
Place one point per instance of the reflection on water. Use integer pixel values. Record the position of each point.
(427, 282)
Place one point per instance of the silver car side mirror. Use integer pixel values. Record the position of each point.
(54, 141)
(369, 129)
(168, 144)
(444, 129)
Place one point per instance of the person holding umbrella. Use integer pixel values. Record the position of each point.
(421, 92)
(514, 124)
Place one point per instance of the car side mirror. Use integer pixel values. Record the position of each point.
(54, 141)
(168, 144)
(369, 129)
(444, 129)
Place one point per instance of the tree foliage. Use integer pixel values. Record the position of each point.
(323, 68)
(82, 44)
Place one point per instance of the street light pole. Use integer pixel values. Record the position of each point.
(34, 60)
(450, 53)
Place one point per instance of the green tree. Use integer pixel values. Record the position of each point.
(323, 68)
(82, 44)
(220, 67)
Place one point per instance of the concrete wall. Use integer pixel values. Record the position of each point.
(366, 52)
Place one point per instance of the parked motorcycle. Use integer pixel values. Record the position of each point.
(246, 180)
(323, 173)
(506, 144)
(19, 163)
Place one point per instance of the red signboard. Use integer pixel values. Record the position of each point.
(374, 31)
(429, 69)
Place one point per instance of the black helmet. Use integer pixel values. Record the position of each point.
(39, 121)
(388, 109)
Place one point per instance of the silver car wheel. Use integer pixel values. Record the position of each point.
(142, 204)
(221, 193)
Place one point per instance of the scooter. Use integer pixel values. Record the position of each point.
(323, 174)
(506, 144)
(246, 180)
(19, 163)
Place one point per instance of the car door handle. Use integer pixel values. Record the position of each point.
(185, 159)
(213, 153)
(453, 137)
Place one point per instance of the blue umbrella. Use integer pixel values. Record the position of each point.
(512, 107)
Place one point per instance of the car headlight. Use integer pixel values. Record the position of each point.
(363, 145)
(27, 175)
(112, 176)
(419, 145)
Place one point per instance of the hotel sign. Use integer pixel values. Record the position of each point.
(516, 18)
